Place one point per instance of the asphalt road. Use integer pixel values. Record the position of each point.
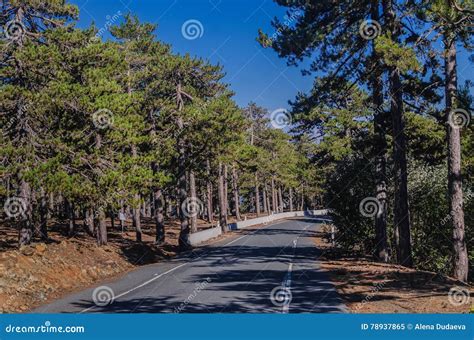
(272, 269)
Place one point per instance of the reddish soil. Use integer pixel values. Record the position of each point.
(370, 287)
(36, 274)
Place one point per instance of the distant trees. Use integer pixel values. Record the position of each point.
(93, 128)
(392, 51)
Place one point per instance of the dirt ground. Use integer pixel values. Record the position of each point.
(370, 287)
(41, 272)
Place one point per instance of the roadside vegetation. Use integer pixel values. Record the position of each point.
(390, 115)
(97, 133)
(124, 144)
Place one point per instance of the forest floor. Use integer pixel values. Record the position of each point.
(43, 271)
(370, 287)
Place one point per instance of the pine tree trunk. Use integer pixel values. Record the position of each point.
(401, 209)
(71, 218)
(157, 210)
(42, 230)
(148, 207)
(152, 204)
(274, 199)
(165, 205)
(195, 210)
(209, 192)
(136, 222)
(50, 206)
(266, 199)
(97, 218)
(222, 200)
(257, 196)
(25, 234)
(159, 219)
(280, 198)
(226, 189)
(89, 222)
(291, 199)
(203, 211)
(380, 147)
(235, 189)
(461, 265)
(182, 189)
(112, 219)
(122, 222)
(101, 232)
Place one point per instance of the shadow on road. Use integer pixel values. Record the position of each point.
(240, 282)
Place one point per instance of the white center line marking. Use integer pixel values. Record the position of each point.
(156, 277)
(287, 285)
(287, 280)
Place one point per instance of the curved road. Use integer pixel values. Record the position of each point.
(272, 269)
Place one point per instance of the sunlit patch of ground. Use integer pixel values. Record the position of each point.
(370, 287)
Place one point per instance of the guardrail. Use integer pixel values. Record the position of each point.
(205, 235)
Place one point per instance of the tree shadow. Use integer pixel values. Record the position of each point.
(241, 279)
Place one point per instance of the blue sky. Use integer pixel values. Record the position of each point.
(229, 31)
(228, 37)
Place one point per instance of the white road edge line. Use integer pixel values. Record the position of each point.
(237, 239)
(182, 265)
(142, 285)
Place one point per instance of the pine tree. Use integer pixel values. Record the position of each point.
(448, 17)
(25, 24)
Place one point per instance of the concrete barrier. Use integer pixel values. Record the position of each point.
(205, 235)
(275, 217)
(202, 236)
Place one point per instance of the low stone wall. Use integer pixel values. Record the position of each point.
(202, 236)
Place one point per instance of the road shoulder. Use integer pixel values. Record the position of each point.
(370, 287)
